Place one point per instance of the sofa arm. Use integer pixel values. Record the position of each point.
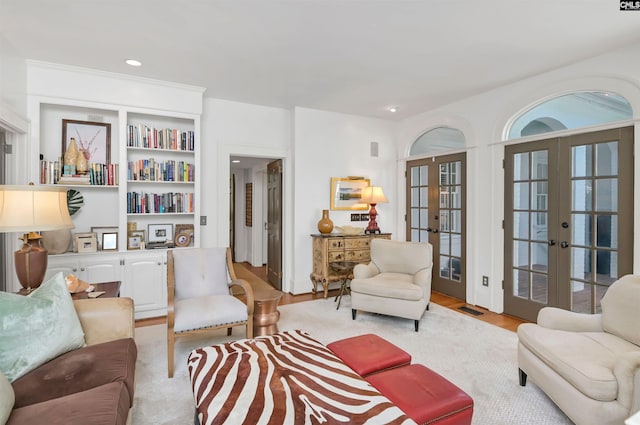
(105, 319)
(564, 320)
(365, 271)
(627, 373)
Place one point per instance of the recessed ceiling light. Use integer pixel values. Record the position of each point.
(392, 108)
(235, 161)
(133, 62)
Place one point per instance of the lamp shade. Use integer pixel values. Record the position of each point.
(373, 195)
(33, 208)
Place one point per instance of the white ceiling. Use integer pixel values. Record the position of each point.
(351, 56)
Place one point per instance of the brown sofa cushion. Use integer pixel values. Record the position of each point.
(104, 405)
(79, 370)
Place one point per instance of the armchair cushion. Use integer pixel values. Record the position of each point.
(211, 310)
(620, 311)
(7, 398)
(200, 272)
(389, 285)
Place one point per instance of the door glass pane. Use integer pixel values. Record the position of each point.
(424, 175)
(606, 194)
(580, 263)
(456, 273)
(539, 256)
(415, 217)
(444, 221)
(600, 291)
(424, 218)
(521, 283)
(606, 267)
(539, 165)
(456, 172)
(456, 245)
(521, 166)
(581, 229)
(521, 196)
(444, 197)
(539, 195)
(415, 197)
(456, 200)
(521, 225)
(424, 197)
(607, 231)
(415, 236)
(581, 297)
(521, 254)
(581, 195)
(607, 159)
(539, 226)
(424, 236)
(415, 176)
(581, 161)
(444, 174)
(445, 270)
(539, 287)
(444, 244)
(456, 221)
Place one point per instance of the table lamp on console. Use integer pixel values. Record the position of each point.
(373, 195)
(30, 209)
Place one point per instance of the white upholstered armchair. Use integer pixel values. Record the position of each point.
(588, 364)
(397, 281)
(199, 295)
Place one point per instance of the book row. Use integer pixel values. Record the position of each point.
(166, 171)
(142, 136)
(159, 203)
(97, 175)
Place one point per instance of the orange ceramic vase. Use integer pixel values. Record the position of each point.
(325, 225)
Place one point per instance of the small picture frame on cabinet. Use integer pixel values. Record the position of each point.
(83, 236)
(160, 233)
(100, 230)
(86, 243)
(110, 241)
(135, 239)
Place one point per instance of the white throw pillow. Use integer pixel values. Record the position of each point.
(7, 398)
(37, 328)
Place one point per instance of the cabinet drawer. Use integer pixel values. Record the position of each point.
(336, 256)
(357, 255)
(357, 243)
(336, 244)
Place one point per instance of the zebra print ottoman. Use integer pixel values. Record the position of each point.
(285, 378)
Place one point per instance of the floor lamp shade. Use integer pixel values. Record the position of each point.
(29, 209)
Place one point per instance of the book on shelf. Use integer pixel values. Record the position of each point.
(52, 172)
(74, 179)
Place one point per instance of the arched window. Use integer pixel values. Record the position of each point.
(575, 110)
(438, 140)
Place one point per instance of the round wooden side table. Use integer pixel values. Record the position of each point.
(265, 312)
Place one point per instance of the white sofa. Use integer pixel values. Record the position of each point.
(588, 364)
(397, 281)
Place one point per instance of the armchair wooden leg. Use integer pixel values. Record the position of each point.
(353, 313)
(428, 306)
(523, 377)
(170, 347)
(229, 331)
(416, 324)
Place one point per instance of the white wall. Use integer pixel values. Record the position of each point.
(13, 79)
(483, 119)
(329, 145)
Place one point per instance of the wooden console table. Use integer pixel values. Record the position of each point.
(338, 248)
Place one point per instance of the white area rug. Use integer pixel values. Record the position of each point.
(478, 357)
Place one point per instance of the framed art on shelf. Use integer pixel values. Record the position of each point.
(100, 230)
(86, 242)
(83, 236)
(135, 239)
(184, 235)
(160, 233)
(346, 193)
(94, 138)
(110, 241)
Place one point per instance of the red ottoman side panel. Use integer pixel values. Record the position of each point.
(368, 353)
(424, 396)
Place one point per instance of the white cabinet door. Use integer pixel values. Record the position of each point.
(144, 280)
(90, 268)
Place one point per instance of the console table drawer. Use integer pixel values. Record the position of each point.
(357, 243)
(357, 255)
(335, 256)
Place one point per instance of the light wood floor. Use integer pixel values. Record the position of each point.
(501, 320)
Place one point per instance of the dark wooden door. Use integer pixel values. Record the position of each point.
(274, 223)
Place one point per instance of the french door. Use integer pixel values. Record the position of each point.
(436, 214)
(568, 221)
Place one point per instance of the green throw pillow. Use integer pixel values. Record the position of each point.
(37, 328)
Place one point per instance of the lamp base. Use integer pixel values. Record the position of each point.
(372, 228)
(31, 262)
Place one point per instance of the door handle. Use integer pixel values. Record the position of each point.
(551, 242)
(435, 230)
(564, 244)
(429, 229)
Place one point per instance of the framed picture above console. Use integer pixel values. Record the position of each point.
(346, 193)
